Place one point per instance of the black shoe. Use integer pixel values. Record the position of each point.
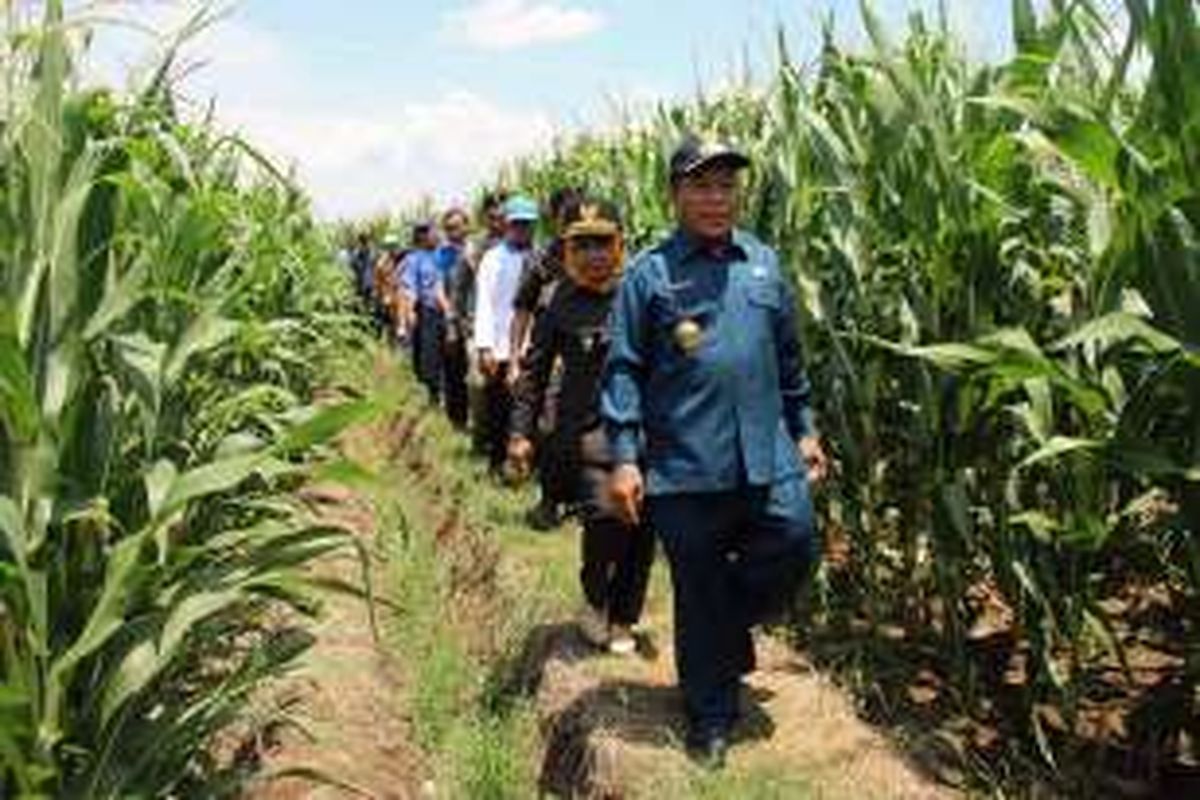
(708, 750)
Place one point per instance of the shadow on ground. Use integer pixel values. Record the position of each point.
(604, 719)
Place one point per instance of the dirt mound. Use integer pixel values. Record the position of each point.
(613, 727)
(349, 738)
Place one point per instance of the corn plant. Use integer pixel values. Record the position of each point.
(166, 301)
(999, 269)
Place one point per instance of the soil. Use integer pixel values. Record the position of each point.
(611, 725)
(351, 738)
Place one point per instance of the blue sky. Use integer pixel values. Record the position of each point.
(380, 102)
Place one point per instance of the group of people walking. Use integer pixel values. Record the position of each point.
(664, 399)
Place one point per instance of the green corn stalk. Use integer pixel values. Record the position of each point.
(166, 297)
(998, 266)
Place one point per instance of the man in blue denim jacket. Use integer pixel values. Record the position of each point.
(705, 388)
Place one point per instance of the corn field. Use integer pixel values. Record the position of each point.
(167, 301)
(1000, 270)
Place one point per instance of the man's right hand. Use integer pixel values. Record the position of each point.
(487, 363)
(520, 456)
(627, 491)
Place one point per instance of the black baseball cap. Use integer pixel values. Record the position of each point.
(694, 153)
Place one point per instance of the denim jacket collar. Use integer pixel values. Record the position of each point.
(685, 246)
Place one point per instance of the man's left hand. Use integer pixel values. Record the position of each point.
(815, 459)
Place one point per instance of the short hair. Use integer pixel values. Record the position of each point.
(493, 200)
(563, 199)
(454, 211)
(420, 230)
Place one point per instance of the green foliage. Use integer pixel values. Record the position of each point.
(1001, 276)
(166, 302)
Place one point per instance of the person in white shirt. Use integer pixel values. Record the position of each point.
(499, 275)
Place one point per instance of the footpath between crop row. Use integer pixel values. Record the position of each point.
(480, 686)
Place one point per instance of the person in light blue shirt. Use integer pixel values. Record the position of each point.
(420, 279)
(454, 263)
(705, 386)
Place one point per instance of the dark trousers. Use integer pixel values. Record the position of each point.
(736, 558)
(557, 469)
(454, 369)
(498, 400)
(616, 557)
(428, 345)
(477, 401)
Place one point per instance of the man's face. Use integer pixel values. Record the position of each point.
(455, 228)
(495, 221)
(706, 202)
(520, 233)
(425, 239)
(594, 258)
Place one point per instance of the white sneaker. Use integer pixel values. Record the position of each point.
(593, 624)
(622, 642)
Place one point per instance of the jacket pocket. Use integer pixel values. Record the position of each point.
(764, 296)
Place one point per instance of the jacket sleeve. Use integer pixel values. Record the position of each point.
(537, 364)
(460, 289)
(793, 378)
(529, 288)
(625, 371)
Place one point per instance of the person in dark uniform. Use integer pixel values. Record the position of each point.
(462, 297)
(542, 275)
(453, 261)
(362, 259)
(705, 385)
(574, 328)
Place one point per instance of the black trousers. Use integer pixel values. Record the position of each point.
(736, 558)
(558, 468)
(428, 345)
(477, 401)
(454, 370)
(498, 402)
(616, 557)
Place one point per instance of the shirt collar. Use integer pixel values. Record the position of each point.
(686, 246)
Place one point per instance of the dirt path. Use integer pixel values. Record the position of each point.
(613, 728)
(610, 727)
(344, 696)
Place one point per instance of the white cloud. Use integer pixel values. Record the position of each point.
(360, 163)
(353, 160)
(511, 24)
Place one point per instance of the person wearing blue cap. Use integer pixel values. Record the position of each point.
(497, 281)
(543, 273)
(705, 386)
